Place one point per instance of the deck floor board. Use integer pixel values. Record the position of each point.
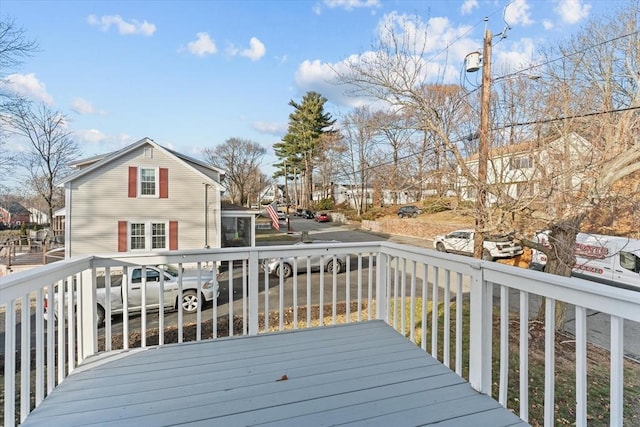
(359, 374)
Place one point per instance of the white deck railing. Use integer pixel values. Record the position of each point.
(396, 283)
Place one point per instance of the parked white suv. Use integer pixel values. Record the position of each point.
(461, 242)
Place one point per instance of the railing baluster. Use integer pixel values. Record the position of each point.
(446, 345)
(412, 307)
(549, 360)
(459, 310)
(25, 357)
(370, 286)
(504, 346)
(434, 311)
(214, 307)
(359, 282)
(308, 293)
(40, 348)
(617, 372)
(143, 314)
(245, 286)
(107, 309)
(403, 296)
(321, 290)
(581, 366)
(51, 324)
(281, 298)
(334, 299)
(161, 309)
(180, 310)
(524, 356)
(124, 288)
(73, 326)
(295, 294)
(230, 304)
(65, 323)
(425, 305)
(10, 365)
(199, 305)
(347, 291)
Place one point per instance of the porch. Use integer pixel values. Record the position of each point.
(363, 373)
(351, 369)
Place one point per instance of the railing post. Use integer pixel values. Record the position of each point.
(253, 282)
(382, 275)
(480, 333)
(88, 325)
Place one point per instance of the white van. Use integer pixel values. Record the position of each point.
(606, 259)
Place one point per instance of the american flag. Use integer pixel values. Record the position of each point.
(273, 213)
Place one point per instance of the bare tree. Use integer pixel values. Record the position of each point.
(359, 140)
(14, 48)
(590, 94)
(49, 151)
(241, 159)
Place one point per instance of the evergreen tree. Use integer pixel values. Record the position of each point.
(300, 146)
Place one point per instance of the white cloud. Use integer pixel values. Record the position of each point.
(256, 50)
(548, 25)
(125, 28)
(350, 4)
(26, 85)
(519, 56)
(275, 129)
(468, 6)
(203, 45)
(572, 11)
(82, 106)
(518, 12)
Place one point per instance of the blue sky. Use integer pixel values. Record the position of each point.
(192, 74)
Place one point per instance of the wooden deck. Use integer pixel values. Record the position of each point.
(358, 374)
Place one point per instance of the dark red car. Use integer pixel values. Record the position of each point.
(322, 217)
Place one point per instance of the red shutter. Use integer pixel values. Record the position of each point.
(122, 236)
(164, 183)
(133, 181)
(173, 235)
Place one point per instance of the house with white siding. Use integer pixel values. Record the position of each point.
(142, 198)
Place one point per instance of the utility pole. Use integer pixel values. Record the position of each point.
(483, 147)
(286, 197)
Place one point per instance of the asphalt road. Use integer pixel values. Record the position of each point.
(598, 324)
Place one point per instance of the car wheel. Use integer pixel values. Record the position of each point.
(440, 247)
(337, 266)
(190, 301)
(486, 255)
(401, 215)
(99, 315)
(286, 270)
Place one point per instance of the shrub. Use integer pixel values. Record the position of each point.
(324, 204)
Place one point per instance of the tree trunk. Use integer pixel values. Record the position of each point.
(561, 259)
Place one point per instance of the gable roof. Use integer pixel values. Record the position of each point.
(91, 164)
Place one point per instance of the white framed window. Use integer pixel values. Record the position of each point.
(148, 235)
(148, 182)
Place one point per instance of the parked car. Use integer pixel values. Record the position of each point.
(273, 265)
(409, 212)
(307, 214)
(461, 242)
(322, 217)
(190, 298)
(610, 260)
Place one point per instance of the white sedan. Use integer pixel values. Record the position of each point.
(285, 269)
